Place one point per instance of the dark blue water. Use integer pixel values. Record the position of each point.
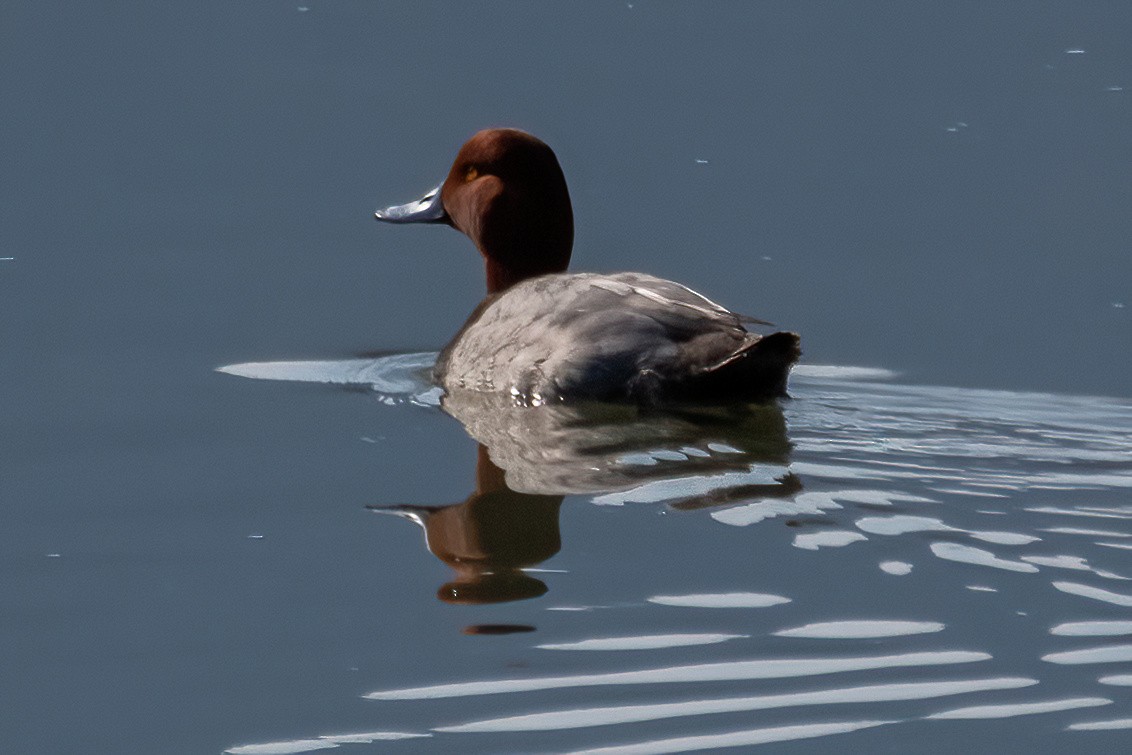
(188, 563)
(905, 564)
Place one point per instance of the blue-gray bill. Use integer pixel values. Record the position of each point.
(427, 209)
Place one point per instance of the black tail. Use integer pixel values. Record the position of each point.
(756, 372)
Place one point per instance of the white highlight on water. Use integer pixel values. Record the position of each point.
(1103, 654)
(852, 630)
(811, 503)
(777, 668)
(1075, 563)
(1115, 481)
(1092, 628)
(1115, 723)
(397, 375)
(1121, 546)
(968, 555)
(1021, 709)
(1085, 532)
(556, 720)
(844, 472)
(811, 541)
(877, 497)
(838, 372)
(643, 642)
(369, 737)
(1118, 680)
(901, 524)
(1059, 562)
(283, 748)
(1096, 593)
(324, 742)
(1003, 538)
(678, 488)
(974, 493)
(721, 600)
(747, 738)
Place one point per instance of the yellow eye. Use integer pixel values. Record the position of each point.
(471, 175)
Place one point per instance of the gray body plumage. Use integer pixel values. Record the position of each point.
(625, 336)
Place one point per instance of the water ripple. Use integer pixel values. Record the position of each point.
(1104, 654)
(857, 629)
(721, 600)
(1096, 593)
(910, 476)
(967, 554)
(1114, 723)
(583, 717)
(1021, 709)
(776, 668)
(644, 642)
(1093, 628)
(745, 738)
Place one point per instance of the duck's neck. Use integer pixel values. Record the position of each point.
(506, 266)
(489, 477)
(501, 277)
(522, 233)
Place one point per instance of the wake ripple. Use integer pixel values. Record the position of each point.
(981, 533)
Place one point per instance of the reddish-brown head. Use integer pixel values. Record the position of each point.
(506, 192)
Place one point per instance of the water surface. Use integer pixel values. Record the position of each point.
(191, 561)
(890, 557)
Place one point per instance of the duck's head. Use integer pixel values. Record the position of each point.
(506, 192)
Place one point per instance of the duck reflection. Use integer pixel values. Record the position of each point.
(529, 459)
(489, 538)
(590, 448)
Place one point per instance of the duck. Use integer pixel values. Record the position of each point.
(545, 335)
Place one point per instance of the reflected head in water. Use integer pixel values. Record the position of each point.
(543, 335)
(489, 538)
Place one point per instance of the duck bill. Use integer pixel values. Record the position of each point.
(427, 209)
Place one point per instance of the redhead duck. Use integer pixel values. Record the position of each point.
(543, 334)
